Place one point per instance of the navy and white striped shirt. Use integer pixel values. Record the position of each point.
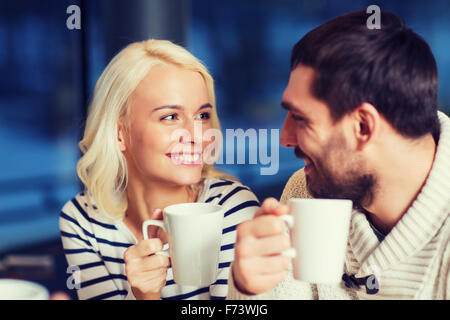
(95, 245)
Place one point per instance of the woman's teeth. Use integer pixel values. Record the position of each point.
(186, 158)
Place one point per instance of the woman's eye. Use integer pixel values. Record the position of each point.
(204, 116)
(170, 117)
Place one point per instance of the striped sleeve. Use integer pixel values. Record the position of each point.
(240, 204)
(88, 273)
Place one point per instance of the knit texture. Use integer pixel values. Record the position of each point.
(412, 262)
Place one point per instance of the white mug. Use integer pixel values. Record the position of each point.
(319, 233)
(194, 232)
(12, 289)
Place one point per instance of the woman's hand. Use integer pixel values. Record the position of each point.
(146, 271)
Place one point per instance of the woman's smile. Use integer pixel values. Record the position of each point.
(189, 159)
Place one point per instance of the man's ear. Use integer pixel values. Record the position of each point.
(121, 134)
(366, 124)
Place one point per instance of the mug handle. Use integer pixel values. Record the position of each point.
(158, 223)
(289, 220)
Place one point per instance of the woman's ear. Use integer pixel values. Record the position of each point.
(121, 134)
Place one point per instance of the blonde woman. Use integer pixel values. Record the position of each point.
(147, 93)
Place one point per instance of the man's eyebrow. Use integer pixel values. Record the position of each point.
(289, 107)
(177, 107)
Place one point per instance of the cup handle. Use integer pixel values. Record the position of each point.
(158, 223)
(289, 220)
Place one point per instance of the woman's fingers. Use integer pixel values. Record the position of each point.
(148, 282)
(146, 264)
(157, 214)
(146, 271)
(153, 231)
(142, 249)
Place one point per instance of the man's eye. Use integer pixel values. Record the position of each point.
(170, 117)
(298, 118)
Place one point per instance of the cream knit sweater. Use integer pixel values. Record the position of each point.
(412, 262)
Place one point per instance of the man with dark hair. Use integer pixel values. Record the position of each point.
(362, 114)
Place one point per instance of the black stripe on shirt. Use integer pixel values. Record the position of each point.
(221, 281)
(246, 204)
(90, 265)
(113, 243)
(231, 193)
(108, 277)
(91, 220)
(213, 197)
(75, 251)
(111, 259)
(99, 240)
(229, 229)
(84, 250)
(224, 265)
(75, 222)
(220, 184)
(71, 235)
(227, 247)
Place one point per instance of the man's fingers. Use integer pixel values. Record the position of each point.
(253, 247)
(263, 265)
(263, 226)
(259, 275)
(272, 206)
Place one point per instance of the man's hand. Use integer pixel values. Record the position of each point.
(258, 265)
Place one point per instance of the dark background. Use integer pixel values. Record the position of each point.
(48, 73)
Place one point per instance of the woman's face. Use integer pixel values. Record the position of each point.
(162, 140)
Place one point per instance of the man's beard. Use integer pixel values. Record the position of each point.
(351, 183)
(353, 186)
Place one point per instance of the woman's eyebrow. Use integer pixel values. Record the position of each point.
(168, 107)
(177, 107)
(206, 105)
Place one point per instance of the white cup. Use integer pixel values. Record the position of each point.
(319, 233)
(194, 232)
(12, 289)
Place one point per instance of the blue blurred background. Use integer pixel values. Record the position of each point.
(48, 73)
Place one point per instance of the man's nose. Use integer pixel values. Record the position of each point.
(288, 138)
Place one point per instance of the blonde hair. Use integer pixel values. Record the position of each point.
(103, 167)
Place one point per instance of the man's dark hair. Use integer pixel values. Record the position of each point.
(392, 68)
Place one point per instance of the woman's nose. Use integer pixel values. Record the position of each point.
(193, 133)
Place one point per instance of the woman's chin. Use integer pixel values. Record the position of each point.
(188, 178)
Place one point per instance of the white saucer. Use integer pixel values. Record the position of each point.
(12, 289)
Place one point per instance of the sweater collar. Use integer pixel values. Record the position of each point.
(418, 225)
